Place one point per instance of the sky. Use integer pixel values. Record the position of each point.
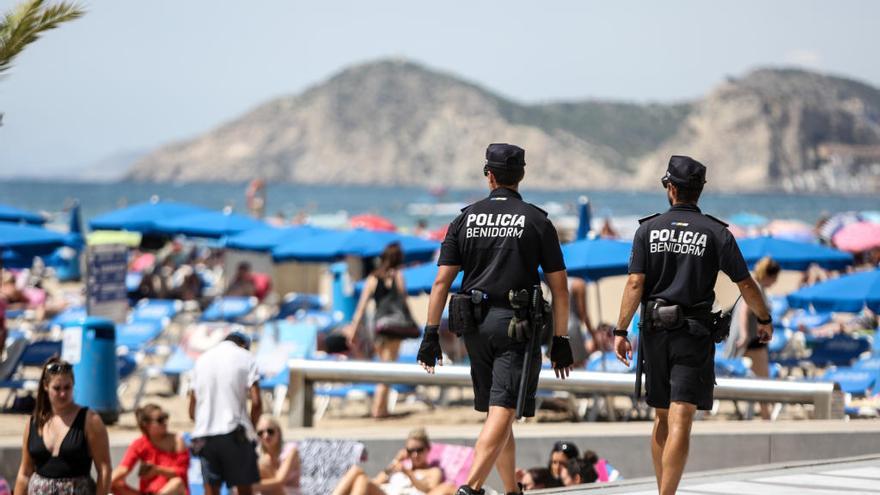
(133, 75)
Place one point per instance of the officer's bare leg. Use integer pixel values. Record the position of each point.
(658, 441)
(681, 417)
(506, 464)
(492, 440)
(388, 351)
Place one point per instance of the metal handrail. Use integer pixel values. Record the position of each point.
(304, 373)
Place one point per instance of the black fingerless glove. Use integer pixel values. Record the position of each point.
(560, 352)
(429, 351)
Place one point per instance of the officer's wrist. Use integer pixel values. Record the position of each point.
(620, 333)
(766, 321)
(432, 329)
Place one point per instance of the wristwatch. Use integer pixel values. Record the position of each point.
(620, 333)
(768, 321)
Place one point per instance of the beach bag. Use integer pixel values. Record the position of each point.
(393, 318)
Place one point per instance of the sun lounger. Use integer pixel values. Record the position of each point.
(229, 308)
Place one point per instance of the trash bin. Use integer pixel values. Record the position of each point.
(90, 346)
(344, 299)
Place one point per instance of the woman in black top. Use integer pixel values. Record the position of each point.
(62, 440)
(382, 281)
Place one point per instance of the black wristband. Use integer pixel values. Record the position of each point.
(432, 329)
(620, 333)
(768, 321)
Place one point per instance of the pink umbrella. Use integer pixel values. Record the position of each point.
(372, 222)
(858, 237)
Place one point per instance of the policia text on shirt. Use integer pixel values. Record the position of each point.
(675, 260)
(499, 243)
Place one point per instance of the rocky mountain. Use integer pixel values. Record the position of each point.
(781, 129)
(396, 122)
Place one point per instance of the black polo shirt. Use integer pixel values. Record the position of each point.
(500, 242)
(680, 252)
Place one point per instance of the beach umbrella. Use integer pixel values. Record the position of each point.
(332, 245)
(584, 218)
(792, 230)
(593, 259)
(858, 237)
(745, 219)
(17, 215)
(837, 222)
(25, 241)
(372, 222)
(849, 293)
(420, 278)
(142, 217)
(792, 255)
(211, 224)
(267, 237)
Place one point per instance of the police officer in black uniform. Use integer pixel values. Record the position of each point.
(675, 260)
(499, 243)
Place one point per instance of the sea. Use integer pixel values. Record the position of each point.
(407, 205)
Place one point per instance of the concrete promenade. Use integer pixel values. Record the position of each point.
(853, 476)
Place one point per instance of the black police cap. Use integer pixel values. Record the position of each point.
(505, 156)
(684, 171)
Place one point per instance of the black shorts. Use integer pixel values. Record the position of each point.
(496, 364)
(679, 366)
(229, 459)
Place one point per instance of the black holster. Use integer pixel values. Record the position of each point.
(467, 311)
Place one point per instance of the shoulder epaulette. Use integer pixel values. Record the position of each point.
(717, 220)
(537, 208)
(645, 219)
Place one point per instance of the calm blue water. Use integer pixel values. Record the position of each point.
(392, 201)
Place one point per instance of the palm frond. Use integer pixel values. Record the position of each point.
(26, 22)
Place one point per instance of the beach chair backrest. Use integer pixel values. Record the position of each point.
(155, 310)
(839, 350)
(852, 381)
(454, 460)
(39, 351)
(13, 359)
(324, 462)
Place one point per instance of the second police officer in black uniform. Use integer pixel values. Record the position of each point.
(499, 243)
(674, 264)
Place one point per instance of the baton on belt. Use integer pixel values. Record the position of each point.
(536, 324)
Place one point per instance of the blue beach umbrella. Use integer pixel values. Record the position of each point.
(593, 259)
(745, 219)
(142, 217)
(332, 245)
(20, 243)
(793, 255)
(267, 237)
(212, 224)
(15, 215)
(849, 293)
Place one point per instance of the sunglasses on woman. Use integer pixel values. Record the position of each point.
(160, 419)
(57, 368)
(269, 432)
(417, 450)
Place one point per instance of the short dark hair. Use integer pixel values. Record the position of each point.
(543, 478)
(688, 194)
(581, 468)
(506, 176)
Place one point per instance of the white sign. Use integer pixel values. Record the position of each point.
(71, 344)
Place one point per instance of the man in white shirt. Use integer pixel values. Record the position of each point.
(223, 379)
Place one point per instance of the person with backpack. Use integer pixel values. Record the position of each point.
(392, 319)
